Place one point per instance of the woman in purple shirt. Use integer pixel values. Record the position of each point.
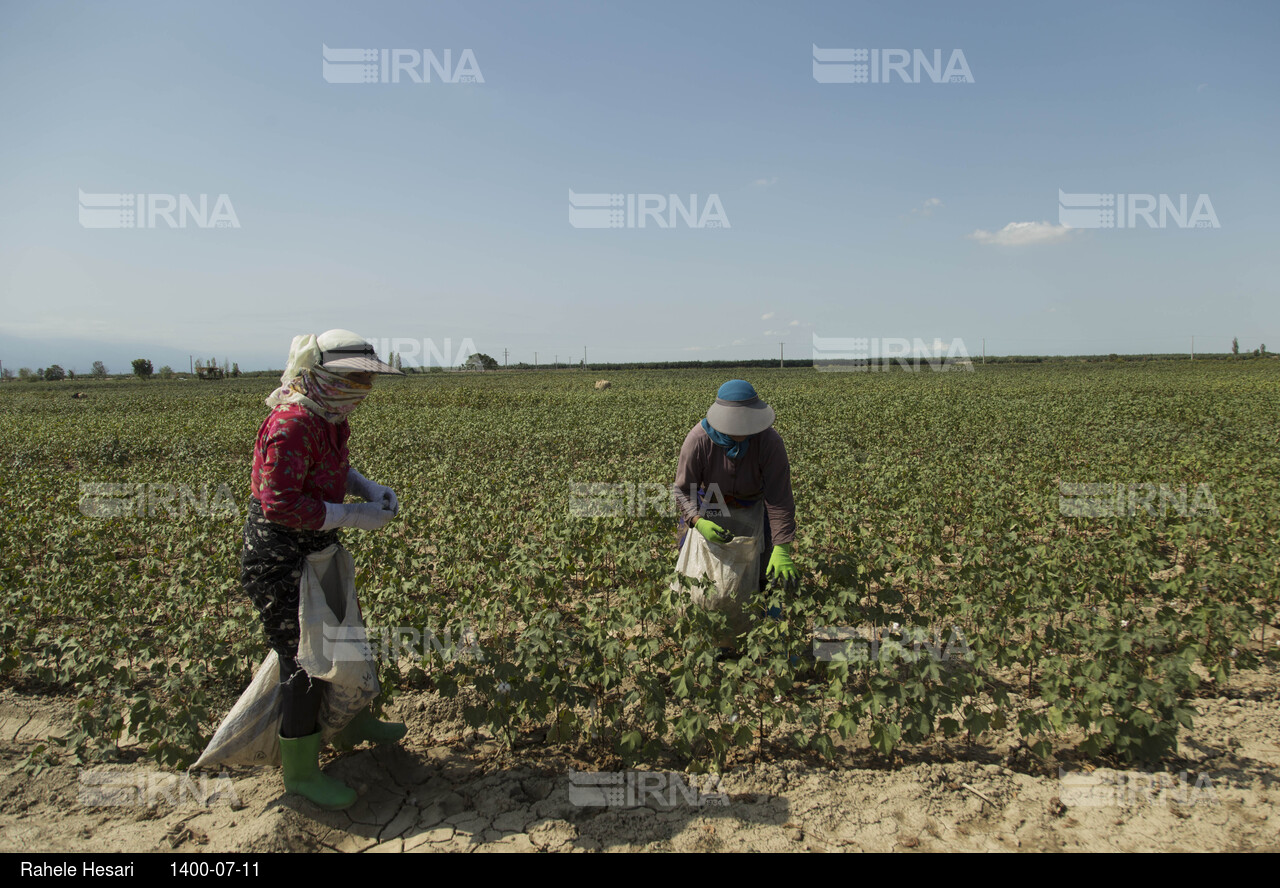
(735, 458)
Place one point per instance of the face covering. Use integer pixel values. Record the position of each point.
(326, 394)
(736, 448)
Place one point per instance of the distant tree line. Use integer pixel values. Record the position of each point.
(143, 369)
(660, 365)
(140, 367)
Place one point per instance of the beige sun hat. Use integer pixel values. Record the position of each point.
(342, 351)
(738, 410)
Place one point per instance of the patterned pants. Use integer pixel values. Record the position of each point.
(271, 574)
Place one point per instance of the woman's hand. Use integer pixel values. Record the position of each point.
(384, 496)
(782, 568)
(712, 531)
(359, 485)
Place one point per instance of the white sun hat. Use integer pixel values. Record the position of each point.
(342, 351)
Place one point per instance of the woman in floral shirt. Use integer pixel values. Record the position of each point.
(301, 475)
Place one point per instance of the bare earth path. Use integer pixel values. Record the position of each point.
(449, 789)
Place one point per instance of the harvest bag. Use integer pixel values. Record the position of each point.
(733, 567)
(332, 649)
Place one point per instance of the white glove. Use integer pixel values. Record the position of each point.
(359, 485)
(362, 516)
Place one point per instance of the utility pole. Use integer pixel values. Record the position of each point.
(557, 363)
(535, 360)
(1193, 348)
(781, 365)
(984, 351)
(191, 364)
(504, 357)
(584, 358)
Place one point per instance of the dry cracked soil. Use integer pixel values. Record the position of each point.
(448, 788)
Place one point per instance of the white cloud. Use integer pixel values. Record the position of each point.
(794, 324)
(767, 316)
(927, 208)
(739, 342)
(769, 333)
(1016, 234)
(765, 183)
(1201, 87)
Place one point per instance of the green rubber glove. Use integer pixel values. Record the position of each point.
(712, 531)
(782, 569)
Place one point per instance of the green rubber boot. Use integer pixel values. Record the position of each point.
(301, 758)
(365, 728)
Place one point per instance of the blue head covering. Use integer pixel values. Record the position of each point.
(736, 390)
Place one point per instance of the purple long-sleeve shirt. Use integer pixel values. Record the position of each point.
(764, 472)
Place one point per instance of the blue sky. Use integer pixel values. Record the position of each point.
(439, 210)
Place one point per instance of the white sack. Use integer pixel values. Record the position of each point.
(733, 567)
(329, 649)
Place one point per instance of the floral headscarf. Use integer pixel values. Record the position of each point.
(326, 394)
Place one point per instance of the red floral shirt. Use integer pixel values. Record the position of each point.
(299, 464)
